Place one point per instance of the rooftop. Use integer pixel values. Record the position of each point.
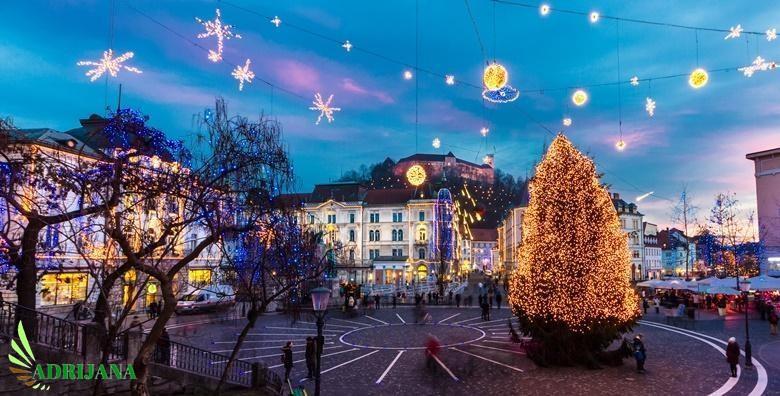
(440, 158)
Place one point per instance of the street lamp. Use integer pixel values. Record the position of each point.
(744, 286)
(319, 301)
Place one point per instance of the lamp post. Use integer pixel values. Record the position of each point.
(319, 302)
(745, 286)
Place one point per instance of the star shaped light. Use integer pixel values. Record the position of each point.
(734, 32)
(276, 21)
(759, 64)
(650, 106)
(243, 74)
(219, 30)
(771, 34)
(324, 108)
(436, 143)
(484, 131)
(449, 79)
(108, 64)
(567, 121)
(347, 46)
(634, 81)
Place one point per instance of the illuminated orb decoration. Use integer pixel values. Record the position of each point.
(544, 9)
(449, 79)
(436, 143)
(567, 121)
(415, 175)
(408, 75)
(698, 78)
(495, 76)
(620, 145)
(579, 97)
(594, 17)
(503, 95)
(484, 131)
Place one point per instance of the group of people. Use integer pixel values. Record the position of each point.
(311, 358)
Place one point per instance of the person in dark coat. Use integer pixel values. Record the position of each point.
(498, 300)
(457, 300)
(732, 355)
(310, 357)
(287, 359)
(394, 300)
(640, 354)
(376, 300)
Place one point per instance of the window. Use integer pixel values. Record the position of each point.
(352, 255)
(376, 253)
(352, 235)
(400, 252)
(376, 235)
(394, 252)
(311, 219)
(63, 288)
(371, 235)
(398, 217)
(636, 253)
(400, 235)
(422, 215)
(394, 234)
(421, 254)
(199, 277)
(373, 217)
(371, 254)
(352, 218)
(421, 235)
(636, 224)
(332, 218)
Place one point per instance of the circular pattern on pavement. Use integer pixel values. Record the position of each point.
(411, 336)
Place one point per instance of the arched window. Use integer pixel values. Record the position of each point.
(421, 254)
(352, 235)
(395, 235)
(352, 254)
(376, 235)
(421, 235)
(400, 235)
(371, 235)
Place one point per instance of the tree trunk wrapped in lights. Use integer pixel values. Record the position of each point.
(571, 288)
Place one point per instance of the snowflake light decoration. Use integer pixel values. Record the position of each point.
(759, 64)
(219, 30)
(734, 32)
(567, 121)
(449, 79)
(634, 81)
(771, 34)
(276, 21)
(347, 46)
(324, 108)
(484, 131)
(408, 75)
(109, 64)
(436, 143)
(243, 74)
(650, 106)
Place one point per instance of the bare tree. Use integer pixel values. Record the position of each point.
(735, 230)
(684, 214)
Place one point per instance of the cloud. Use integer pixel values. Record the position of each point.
(295, 75)
(351, 86)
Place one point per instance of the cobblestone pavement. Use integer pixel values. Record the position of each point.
(380, 353)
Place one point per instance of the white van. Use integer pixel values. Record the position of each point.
(210, 298)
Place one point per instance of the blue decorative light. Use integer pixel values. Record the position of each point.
(504, 94)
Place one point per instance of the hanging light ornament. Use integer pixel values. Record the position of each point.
(650, 106)
(436, 143)
(219, 30)
(484, 131)
(347, 46)
(734, 32)
(415, 175)
(109, 64)
(567, 121)
(408, 75)
(634, 81)
(771, 34)
(759, 64)
(594, 17)
(276, 21)
(579, 97)
(698, 78)
(449, 79)
(494, 79)
(324, 108)
(544, 9)
(620, 145)
(243, 74)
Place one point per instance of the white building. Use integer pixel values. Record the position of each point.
(652, 261)
(673, 242)
(483, 245)
(509, 238)
(631, 223)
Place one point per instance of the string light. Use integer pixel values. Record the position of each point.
(698, 78)
(759, 64)
(449, 79)
(243, 74)
(620, 145)
(484, 131)
(324, 108)
(579, 97)
(436, 143)
(556, 285)
(408, 75)
(415, 175)
(108, 64)
(771, 34)
(347, 46)
(650, 106)
(544, 9)
(276, 21)
(634, 81)
(219, 30)
(594, 17)
(566, 122)
(734, 32)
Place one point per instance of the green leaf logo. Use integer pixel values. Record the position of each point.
(23, 361)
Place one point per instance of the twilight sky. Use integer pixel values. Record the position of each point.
(697, 137)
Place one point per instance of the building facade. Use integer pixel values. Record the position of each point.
(510, 236)
(652, 262)
(673, 246)
(483, 245)
(767, 174)
(631, 223)
(440, 165)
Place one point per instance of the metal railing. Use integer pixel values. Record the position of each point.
(46, 329)
(200, 361)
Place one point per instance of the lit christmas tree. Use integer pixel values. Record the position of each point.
(571, 288)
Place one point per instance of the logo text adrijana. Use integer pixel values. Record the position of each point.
(83, 371)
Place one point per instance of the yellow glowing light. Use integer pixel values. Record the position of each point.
(495, 76)
(698, 78)
(151, 288)
(620, 145)
(416, 175)
(594, 17)
(544, 9)
(579, 97)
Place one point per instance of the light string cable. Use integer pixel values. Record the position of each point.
(476, 31)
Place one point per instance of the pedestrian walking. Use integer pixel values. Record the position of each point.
(732, 355)
(645, 305)
(449, 298)
(640, 354)
(485, 311)
(287, 359)
(490, 298)
(457, 300)
(376, 300)
(772, 321)
(657, 304)
(498, 300)
(394, 297)
(310, 356)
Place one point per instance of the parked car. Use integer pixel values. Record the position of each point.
(210, 298)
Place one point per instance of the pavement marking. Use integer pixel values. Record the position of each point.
(343, 337)
(328, 354)
(330, 324)
(466, 320)
(352, 321)
(499, 349)
(249, 341)
(732, 381)
(489, 360)
(449, 317)
(387, 370)
(380, 321)
(492, 321)
(278, 354)
(349, 361)
(444, 367)
(402, 319)
(498, 326)
(289, 335)
(269, 347)
(298, 328)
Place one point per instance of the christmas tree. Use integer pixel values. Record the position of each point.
(571, 288)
